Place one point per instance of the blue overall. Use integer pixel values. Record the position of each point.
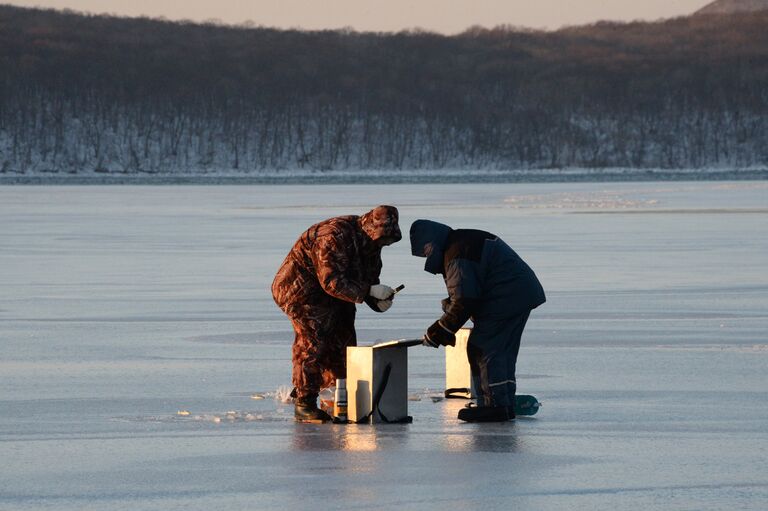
(488, 282)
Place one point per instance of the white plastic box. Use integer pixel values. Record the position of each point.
(458, 375)
(380, 368)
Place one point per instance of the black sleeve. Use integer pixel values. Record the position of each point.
(464, 276)
(457, 313)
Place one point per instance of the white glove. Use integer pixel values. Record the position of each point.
(381, 292)
(384, 305)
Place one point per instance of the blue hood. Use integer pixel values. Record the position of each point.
(428, 240)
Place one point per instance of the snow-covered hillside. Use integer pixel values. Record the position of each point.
(94, 96)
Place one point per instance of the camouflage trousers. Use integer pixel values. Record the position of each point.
(320, 347)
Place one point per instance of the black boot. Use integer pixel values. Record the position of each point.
(487, 413)
(306, 410)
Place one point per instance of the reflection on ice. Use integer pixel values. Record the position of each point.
(339, 437)
(499, 438)
(496, 438)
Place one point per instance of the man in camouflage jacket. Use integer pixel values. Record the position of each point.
(334, 265)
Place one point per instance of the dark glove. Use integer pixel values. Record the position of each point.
(438, 335)
(378, 305)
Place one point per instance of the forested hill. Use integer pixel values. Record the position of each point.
(101, 95)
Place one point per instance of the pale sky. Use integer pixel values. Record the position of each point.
(445, 16)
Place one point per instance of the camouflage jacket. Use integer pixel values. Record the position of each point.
(338, 258)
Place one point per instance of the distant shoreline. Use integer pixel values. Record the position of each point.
(390, 177)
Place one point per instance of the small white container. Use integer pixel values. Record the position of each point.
(340, 400)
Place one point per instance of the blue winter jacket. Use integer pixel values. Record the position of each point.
(485, 278)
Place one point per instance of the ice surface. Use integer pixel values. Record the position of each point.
(121, 306)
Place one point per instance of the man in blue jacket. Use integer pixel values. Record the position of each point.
(488, 282)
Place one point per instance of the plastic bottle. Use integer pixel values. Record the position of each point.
(326, 399)
(340, 400)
